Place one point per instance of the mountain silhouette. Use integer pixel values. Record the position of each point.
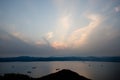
(63, 75)
(60, 75)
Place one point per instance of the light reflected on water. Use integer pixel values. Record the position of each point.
(92, 70)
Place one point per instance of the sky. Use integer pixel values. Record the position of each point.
(59, 28)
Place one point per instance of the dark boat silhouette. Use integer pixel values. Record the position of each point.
(29, 72)
(33, 67)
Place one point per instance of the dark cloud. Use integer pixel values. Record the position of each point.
(98, 45)
(12, 46)
(104, 40)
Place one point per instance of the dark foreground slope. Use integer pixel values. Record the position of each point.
(63, 75)
(60, 75)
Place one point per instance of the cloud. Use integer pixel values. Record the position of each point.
(14, 46)
(11, 45)
(79, 36)
(49, 35)
(63, 25)
(69, 37)
(59, 45)
(21, 36)
(117, 9)
(61, 31)
(39, 43)
(64, 22)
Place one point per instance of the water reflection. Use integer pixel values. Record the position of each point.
(92, 70)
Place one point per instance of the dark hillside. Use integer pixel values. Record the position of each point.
(60, 75)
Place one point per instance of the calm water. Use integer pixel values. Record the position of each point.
(92, 70)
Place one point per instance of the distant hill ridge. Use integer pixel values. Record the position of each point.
(89, 58)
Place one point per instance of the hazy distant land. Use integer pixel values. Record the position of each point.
(31, 59)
